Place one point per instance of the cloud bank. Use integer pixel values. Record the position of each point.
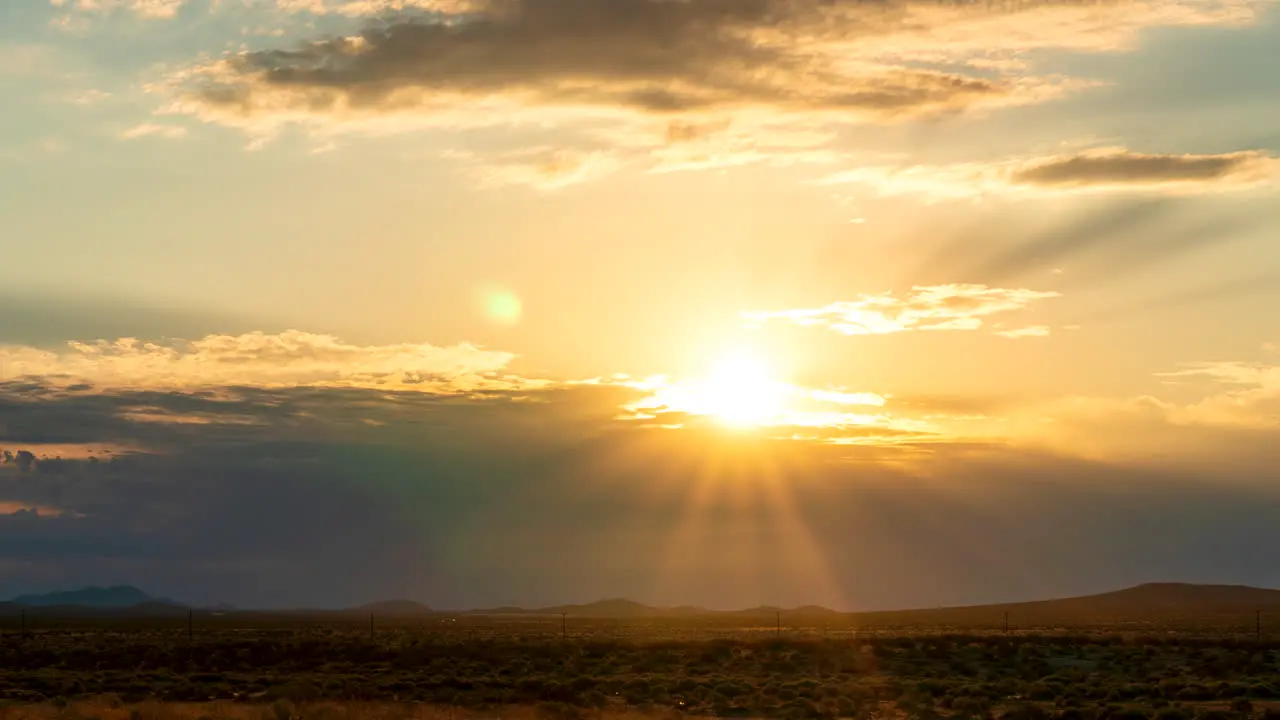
(543, 497)
(260, 360)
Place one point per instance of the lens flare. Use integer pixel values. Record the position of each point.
(501, 306)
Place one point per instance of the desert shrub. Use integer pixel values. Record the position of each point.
(1024, 711)
(1172, 713)
(558, 711)
(1214, 714)
(1129, 713)
(1242, 705)
(969, 707)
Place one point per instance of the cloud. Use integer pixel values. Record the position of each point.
(1110, 169)
(1104, 170)
(540, 497)
(168, 132)
(156, 8)
(1245, 394)
(1025, 332)
(316, 7)
(89, 97)
(213, 490)
(151, 9)
(496, 61)
(356, 8)
(542, 168)
(9, 507)
(937, 307)
(260, 359)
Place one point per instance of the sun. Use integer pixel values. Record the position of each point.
(739, 390)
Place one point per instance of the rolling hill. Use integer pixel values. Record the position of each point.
(1152, 602)
(118, 596)
(1148, 602)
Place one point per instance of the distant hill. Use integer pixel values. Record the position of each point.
(119, 596)
(618, 608)
(1152, 602)
(1168, 599)
(1149, 602)
(394, 607)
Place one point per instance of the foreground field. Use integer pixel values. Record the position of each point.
(113, 709)
(965, 676)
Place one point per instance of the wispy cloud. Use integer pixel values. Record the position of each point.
(168, 132)
(1243, 393)
(356, 8)
(258, 359)
(1101, 170)
(937, 307)
(154, 9)
(1025, 332)
(10, 507)
(542, 168)
(88, 97)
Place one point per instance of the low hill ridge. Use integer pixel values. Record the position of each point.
(116, 596)
(395, 607)
(1148, 601)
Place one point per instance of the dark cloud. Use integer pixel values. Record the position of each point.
(542, 496)
(1131, 168)
(645, 56)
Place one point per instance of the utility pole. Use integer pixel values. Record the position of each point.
(1006, 622)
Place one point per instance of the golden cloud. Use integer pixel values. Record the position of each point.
(542, 168)
(168, 132)
(1025, 332)
(11, 507)
(937, 307)
(1245, 394)
(258, 359)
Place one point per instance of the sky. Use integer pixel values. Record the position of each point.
(863, 303)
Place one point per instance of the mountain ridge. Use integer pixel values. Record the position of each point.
(93, 596)
(1147, 600)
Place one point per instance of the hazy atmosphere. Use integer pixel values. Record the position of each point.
(868, 304)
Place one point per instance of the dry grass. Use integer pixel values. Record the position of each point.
(110, 708)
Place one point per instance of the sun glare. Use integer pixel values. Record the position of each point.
(739, 390)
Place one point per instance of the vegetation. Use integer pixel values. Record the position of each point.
(916, 677)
